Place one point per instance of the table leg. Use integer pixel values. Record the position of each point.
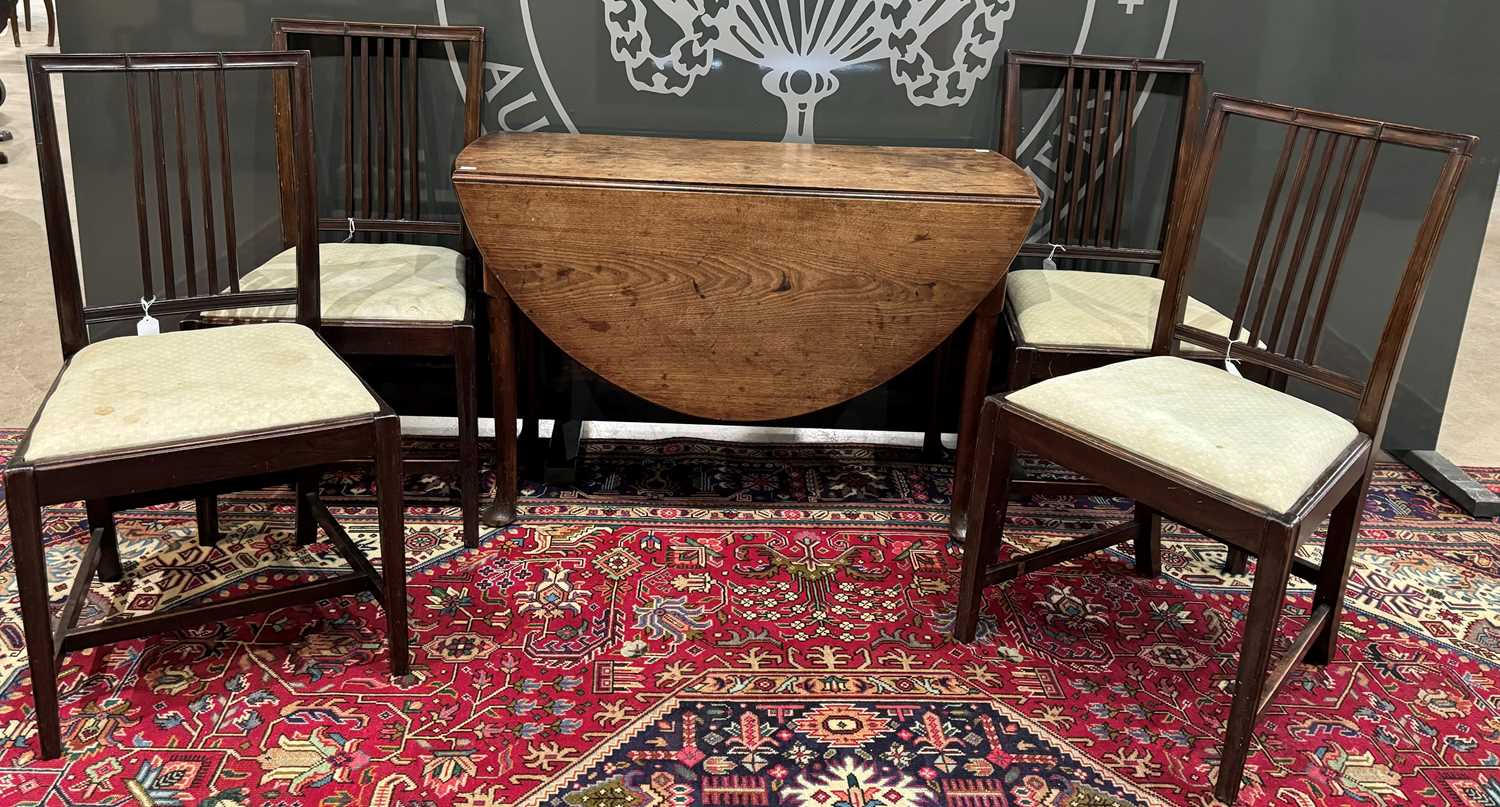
(502, 510)
(976, 386)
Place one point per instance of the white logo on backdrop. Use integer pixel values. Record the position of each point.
(802, 43)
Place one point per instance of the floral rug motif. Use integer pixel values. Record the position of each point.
(719, 624)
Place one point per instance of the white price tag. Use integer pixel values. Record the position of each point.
(148, 326)
(1050, 262)
(1229, 364)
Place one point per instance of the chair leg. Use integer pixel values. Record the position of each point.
(388, 482)
(15, 29)
(1237, 561)
(110, 569)
(502, 511)
(468, 431)
(529, 371)
(1333, 575)
(1147, 541)
(976, 386)
(29, 553)
(1271, 573)
(307, 526)
(208, 521)
(932, 438)
(26, 7)
(987, 504)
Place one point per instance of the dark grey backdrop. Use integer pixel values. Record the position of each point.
(1428, 64)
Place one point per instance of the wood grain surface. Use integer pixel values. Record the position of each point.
(742, 164)
(744, 301)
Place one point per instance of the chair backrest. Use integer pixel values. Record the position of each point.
(1318, 186)
(190, 79)
(381, 130)
(1096, 146)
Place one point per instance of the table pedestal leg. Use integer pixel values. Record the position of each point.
(976, 386)
(502, 510)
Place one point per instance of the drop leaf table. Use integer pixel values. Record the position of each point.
(740, 281)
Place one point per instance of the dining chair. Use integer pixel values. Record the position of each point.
(1240, 461)
(384, 292)
(133, 421)
(1102, 306)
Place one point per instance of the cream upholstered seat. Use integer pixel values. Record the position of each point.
(1071, 309)
(386, 282)
(1249, 441)
(139, 391)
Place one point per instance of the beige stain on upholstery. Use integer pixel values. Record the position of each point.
(1241, 438)
(138, 391)
(1071, 309)
(385, 282)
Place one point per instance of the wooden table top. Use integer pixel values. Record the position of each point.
(749, 165)
(742, 281)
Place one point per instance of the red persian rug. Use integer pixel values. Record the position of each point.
(705, 623)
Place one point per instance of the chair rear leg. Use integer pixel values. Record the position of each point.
(502, 510)
(932, 437)
(1333, 576)
(468, 430)
(1237, 561)
(29, 553)
(1147, 541)
(100, 517)
(388, 482)
(307, 527)
(208, 520)
(1271, 573)
(987, 504)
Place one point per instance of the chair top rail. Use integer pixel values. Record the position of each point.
(447, 33)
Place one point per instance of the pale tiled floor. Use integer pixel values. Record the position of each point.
(29, 352)
(29, 355)
(1471, 421)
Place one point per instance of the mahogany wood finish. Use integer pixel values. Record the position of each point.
(1283, 302)
(742, 281)
(201, 468)
(1096, 147)
(383, 152)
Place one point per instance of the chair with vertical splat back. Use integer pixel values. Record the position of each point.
(1059, 321)
(387, 297)
(1240, 461)
(133, 421)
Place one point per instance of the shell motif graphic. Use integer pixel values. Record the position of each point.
(803, 43)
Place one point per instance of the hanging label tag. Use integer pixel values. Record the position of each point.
(1050, 262)
(351, 232)
(1229, 364)
(148, 326)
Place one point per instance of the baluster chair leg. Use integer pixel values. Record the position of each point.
(100, 517)
(464, 371)
(1147, 541)
(987, 506)
(388, 482)
(1237, 561)
(1271, 572)
(208, 520)
(29, 552)
(307, 527)
(1333, 577)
